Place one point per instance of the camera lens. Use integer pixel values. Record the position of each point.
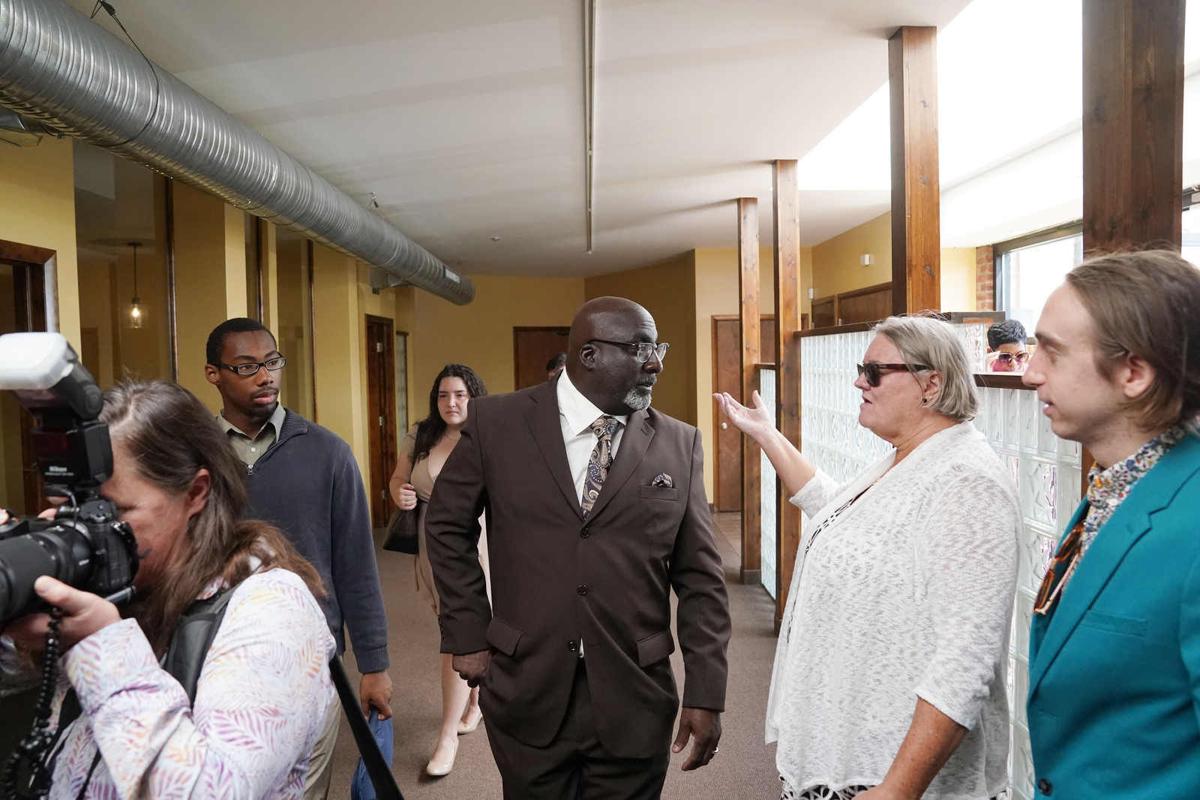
(59, 551)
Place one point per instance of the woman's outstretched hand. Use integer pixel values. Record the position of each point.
(756, 422)
(83, 614)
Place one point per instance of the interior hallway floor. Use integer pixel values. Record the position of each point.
(745, 767)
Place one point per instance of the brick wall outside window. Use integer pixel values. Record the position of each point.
(985, 279)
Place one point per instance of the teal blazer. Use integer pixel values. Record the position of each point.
(1114, 671)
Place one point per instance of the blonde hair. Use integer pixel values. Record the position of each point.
(933, 343)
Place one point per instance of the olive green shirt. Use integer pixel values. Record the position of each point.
(250, 449)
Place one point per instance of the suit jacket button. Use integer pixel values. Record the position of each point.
(585, 533)
(1045, 787)
(573, 645)
(581, 590)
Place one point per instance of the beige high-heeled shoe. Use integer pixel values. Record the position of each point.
(470, 727)
(440, 768)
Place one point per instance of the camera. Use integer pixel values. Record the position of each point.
(85, 545)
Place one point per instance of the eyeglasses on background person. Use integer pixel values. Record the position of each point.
(1008, 362)
(643, 349)
(252, 367)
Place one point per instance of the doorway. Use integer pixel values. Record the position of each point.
(381, 413)
(727, 377)
(22, 309)
(532, 348)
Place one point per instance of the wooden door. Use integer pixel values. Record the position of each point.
(381, 414)
(25, 310)
(727, 349)
(532, 348)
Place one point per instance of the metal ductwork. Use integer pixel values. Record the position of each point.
(58, 67)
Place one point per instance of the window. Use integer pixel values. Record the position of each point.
(1029, 269)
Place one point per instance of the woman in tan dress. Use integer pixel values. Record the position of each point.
(427, 446)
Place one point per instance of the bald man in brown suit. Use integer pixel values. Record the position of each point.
(595, 511)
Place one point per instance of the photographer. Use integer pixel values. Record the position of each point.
(264, 688)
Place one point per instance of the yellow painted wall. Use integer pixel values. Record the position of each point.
(338, 349)
(837, 266)
(668, 291)
(480, 334)
(958, 279)
(208, 266)
(37, 207)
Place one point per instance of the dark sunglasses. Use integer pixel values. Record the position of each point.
(874, 370)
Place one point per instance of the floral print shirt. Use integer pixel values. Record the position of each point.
(1108, 488)
(261, 701)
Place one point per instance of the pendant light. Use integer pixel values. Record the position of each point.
(136, 315)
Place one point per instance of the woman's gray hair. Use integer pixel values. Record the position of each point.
(935, 344)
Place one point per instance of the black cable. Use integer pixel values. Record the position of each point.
(33, 747)
(112, 12)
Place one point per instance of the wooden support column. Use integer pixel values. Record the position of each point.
(916, 211)
(750, 316)
(1132, 124)
(787, 373)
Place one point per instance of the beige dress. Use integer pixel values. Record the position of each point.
(422, 480)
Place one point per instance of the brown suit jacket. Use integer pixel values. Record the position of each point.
(557, 578)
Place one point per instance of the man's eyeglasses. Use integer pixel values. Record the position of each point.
(643, 350)
(874, 370)
(252, 367)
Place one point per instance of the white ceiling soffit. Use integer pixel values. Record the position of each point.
(465, 119)
(1009, 103)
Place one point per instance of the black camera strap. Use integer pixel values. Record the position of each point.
(377, 767)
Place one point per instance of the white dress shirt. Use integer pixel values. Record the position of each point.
(576, 414)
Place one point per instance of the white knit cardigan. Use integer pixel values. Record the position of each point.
(908, 593)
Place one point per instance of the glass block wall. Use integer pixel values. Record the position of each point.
(769, 510)
(1045, 469)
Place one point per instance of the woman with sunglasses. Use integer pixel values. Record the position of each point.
(1007, 351)
(889, 678)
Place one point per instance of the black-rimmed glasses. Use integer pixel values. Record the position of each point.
(643, 349)
(252, 367)
(874, 371)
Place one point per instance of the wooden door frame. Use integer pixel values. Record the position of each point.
(42, 257)
(529, 329)
(387, 438)
(716, 411)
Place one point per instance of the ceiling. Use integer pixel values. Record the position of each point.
(466, 119)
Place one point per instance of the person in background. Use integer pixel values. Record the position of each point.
(554, 366)
(889, 678)
(427, 447)
(303, 479)
(1114, 652)
(264, 690)
(1007, 351)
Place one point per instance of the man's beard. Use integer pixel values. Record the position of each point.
(638, 398)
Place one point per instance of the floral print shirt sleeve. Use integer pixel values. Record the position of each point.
(262, 698)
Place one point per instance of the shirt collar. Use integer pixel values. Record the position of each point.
(1110, 486)
(275, 421)
(579, 411)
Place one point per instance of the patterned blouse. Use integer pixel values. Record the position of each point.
(1108, 488)
(262, 698)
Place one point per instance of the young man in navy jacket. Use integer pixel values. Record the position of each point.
(303, 479)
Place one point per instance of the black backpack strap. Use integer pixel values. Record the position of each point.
(377, 768)
(193, 636)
